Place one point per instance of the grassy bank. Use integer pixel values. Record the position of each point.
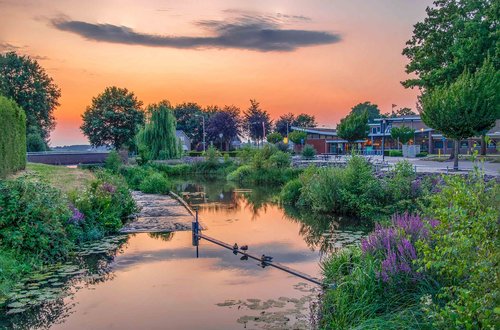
(435, 269)
(46, 211)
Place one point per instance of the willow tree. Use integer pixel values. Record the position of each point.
(157, 139)
(466, 107)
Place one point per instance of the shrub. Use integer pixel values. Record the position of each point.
(241, 174)
(12, 137)
(113, 162)
(33, 219)
(308, 152)
(395, 153)
(134, 175)
(421, 154)
(106, 205)
(155, 183)
(280, 159)
(291, 192)
(246, 154)
(462, 253)
(274, 137)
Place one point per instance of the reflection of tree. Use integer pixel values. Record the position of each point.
(259, 198)
(48, 313)
(165, 236)
(318, 230)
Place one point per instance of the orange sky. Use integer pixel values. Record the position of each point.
(360, 60)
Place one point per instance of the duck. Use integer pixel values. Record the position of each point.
(265, 258)
(244, 248)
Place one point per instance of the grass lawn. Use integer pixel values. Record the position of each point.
(64, 178)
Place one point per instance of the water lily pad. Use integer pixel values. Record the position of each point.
(16, 304)
(16, 310)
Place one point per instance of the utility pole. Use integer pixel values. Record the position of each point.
(383, 139)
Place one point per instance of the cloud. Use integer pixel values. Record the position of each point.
(253, 32)
(7, 47)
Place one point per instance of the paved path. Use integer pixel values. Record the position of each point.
(158, 213)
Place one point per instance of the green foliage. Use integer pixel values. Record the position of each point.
(12, 269)
(190, 120)
(463, 252)
(280, 160)
(241, 174)
(23, 80)
(113, 118)
(395, 153)
(113, 162)
(421, 154)
(224, 121)
(284, 123)
(134, 175)
(403, 133)
(370, 109)
(12, 137)
(256, 121)
(455, 36)
(308, 152)
(155, 183)
(353, 127)
(305, 120)
(157, 139)
(35, 141)
(106, 204)
(274, 137)
(297, 137)
(290, 193)
(33, 220)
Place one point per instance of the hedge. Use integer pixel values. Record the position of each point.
(12, 137)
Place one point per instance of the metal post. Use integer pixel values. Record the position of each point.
(204, 143)
(383, 140)
(195, 226)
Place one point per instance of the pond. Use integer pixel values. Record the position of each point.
(155, 281)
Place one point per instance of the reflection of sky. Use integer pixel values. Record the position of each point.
(158, 282)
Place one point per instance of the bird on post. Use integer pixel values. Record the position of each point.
(235, 248)
(244, 248)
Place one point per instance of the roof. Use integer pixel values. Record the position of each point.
(316, 130)
(402, 118)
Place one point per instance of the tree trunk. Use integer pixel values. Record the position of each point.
(456, 153)
(452, 152)
(483, 145)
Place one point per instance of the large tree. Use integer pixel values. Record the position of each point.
(353, 127)
(369, 108)
(26, 82)
(402, 134)
(466, 107)
(456, 35)
(113, 118)
(305, 120)
(157, 139)
(190, 120)
(256, 121)
(284, 123)
(224, 126)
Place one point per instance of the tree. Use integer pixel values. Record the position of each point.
(305, 120)
(257, 121)
(113, 119)
(297, 137)
(466, 107)
(227, 122)
(456, 35)
(189, 119)
(274, 138)
(353, 127)
(403, 112)
(157, 139)
(26, 82)
(284, 123)
(403, 134)
(372, 110)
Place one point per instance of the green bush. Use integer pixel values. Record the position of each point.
(395, 153)
(12, 137)
(33, 220)
(421, 154)
(106, 205)
(280, 159)
(463, 252)
(155, 183)
(290, 193)
(113, 162)
(241, 174)
(308, 152)
(274, 137)
(134, 175)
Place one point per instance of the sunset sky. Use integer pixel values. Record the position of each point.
(317, 57)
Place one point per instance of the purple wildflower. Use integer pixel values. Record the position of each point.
(108, 187)
(77, 216)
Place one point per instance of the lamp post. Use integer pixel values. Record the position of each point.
(221, 135)
(383, 139)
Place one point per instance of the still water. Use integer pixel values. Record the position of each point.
(155, 281)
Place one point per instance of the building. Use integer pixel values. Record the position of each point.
(185, 140)
(326, 141)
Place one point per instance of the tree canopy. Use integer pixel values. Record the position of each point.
(305, 120)
(225, 121)
(189, 119)
(274, 137)
(297, 137)
(26, 82)
(371, 110)
(466, 107)
(404, 134)
(157, 139)
(353, 127)
(257, 122)
(113, 118)
(288, 120)
(456, 35)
